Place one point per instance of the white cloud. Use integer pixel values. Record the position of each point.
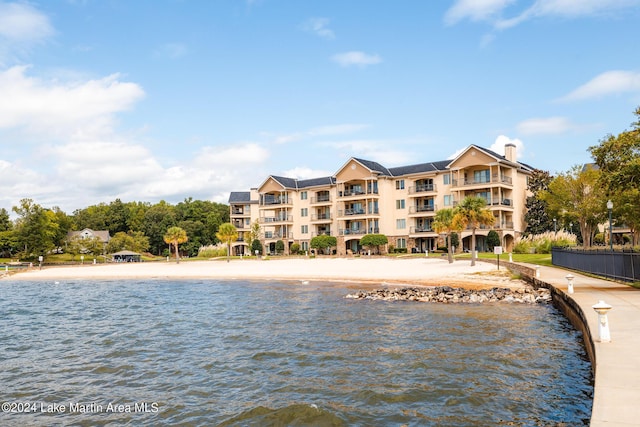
(607, 83)
(305, 173)
(54, 108)
(492, 11)
(319, 27)
(475, 10)
(360, 59)
(20, 22)
(502, 140)
(547, 125)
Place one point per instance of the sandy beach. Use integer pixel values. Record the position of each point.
(369, 271)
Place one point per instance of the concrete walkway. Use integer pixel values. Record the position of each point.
(616, 400)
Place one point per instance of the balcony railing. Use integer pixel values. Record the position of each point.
(349, 231)
(277, 235)
(504, 225)
(240, 211)
(350, 193)
(321, 199)
(268, 201)
(502, 202)
(495, 179)
(420, 229)
(278, 218)
(422, 188)
(422, 208)
(322, 217)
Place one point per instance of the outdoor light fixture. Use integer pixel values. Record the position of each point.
(610, 207)
(603, 323)
(555, 225)
(569, 278)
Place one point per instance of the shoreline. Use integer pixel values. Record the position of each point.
(352, 271)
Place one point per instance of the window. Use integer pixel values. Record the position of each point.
(448, 200)
(304, 246)
(400, 184)
(304, 229)
(401, 243)
(446, 179)
(401, 224)
(400, 204)
(303, 195)
(481, 176)
(304, 212)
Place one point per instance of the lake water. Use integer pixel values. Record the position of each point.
(238, 353)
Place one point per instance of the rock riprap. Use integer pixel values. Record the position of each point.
(447, 294)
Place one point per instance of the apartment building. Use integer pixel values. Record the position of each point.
(366, 197)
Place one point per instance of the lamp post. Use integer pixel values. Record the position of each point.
(555, 226)
(610, 207)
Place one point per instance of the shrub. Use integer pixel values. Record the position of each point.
(213, 251)
(295, 249)
(542, 243)
(256, 245)
(279, 246)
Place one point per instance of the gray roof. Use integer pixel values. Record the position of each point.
(420, 168)
(240, 197)
(374, 166)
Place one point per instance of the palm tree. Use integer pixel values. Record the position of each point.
(174, 236)
(472, 212)
(227, 233)
(443, 223)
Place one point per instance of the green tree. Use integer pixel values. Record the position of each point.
(228, 234)
(618, 158)
(374, 241)
(443, 224)
(175, 236)
(493, 239)
(577, 194)
(5, 220)
(134, 241)
(472, 212)
(256, 246)
(279, 246)
(323, 243)
(537, 215)
(157, 219)
(36, 229)
(295, 249)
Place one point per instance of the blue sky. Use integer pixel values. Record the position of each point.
(167, 99)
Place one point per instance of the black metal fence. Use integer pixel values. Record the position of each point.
(619, 265)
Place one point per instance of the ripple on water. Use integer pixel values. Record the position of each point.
(246, 353)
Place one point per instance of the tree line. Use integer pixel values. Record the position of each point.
(138, 226)
(576, 200)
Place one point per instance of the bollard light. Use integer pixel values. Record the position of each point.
(603, 323)
(569, 278)
(537, 271)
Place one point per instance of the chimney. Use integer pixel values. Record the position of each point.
(510, 152)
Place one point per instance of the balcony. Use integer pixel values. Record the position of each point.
(321, 233)
(352, 232)
(240, 211)
(422, 188)
(238, 224)
(322, 217)
(274, 201)
(495, 179)
(277, 235)
(504, 225)
(420, 229)
(277, 218)
(321, 200)
(422, 209)
(354, 193)
(502, 202)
